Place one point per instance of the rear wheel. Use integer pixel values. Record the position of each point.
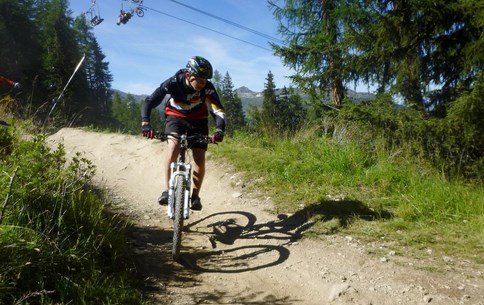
(180, 186)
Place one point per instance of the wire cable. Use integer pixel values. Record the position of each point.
(204, 27)
(230, 22)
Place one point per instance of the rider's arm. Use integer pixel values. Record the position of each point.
(216, 108)
(153, 100)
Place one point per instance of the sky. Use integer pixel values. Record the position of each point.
(146, 51)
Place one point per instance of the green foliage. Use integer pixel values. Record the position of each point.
(453, 144)
(217, 80)
(313, 49)
(463, 129)
(6, 142)
(278, 114)
(60, 55)
(56, 244)
(269, 111)
(99, 78)
(427, 52)
(125, 114)
(20, 48)
(343, 185)
(290, 110)
(232, 104)
(42, 45)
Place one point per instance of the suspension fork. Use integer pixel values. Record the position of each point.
(180, 168)
(185, 170)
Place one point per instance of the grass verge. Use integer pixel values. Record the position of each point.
(57, 244)
(378, 194)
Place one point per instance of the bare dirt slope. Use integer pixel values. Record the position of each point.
(237, 253)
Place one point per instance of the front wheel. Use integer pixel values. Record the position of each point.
(140, 12)
(180, 186)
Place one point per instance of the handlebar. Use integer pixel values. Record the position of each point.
(198, 138)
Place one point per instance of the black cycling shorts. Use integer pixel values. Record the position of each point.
(179, 126)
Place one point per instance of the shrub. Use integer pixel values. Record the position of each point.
(56, 243)
(453, 144)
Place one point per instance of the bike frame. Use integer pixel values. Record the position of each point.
(180, 187)
(180, 168)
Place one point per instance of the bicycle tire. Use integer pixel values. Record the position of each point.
(140, 12)
(180, 186)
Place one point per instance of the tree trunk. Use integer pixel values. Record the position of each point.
(411, 88)
(337, 92)
(336, 85)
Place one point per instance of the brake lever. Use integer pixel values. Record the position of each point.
(161, 136)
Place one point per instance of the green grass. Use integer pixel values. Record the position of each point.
(349, 188)
(57, 244)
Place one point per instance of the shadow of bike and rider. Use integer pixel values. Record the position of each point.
(268, 238)
(256, 238)
(239, 242)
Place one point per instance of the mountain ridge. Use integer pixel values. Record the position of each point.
(249, 97)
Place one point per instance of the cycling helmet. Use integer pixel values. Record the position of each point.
(199, 66)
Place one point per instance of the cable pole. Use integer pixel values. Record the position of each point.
(65, 87)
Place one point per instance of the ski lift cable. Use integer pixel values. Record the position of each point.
(204, 27)
(230, 22)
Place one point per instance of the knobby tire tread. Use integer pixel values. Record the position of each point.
(180, 187)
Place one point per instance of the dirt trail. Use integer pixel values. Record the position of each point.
(237, 253)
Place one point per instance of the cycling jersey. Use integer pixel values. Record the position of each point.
(185, 102)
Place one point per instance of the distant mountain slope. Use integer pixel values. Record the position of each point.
(249, 97)
(360, 96)
(123, 95)
(245, 92)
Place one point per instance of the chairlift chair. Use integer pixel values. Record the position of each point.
(95, 16)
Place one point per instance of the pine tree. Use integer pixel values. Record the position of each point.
(312, 32)
(20, 50)
(413, 47)
(267, 117)
(61, 55)
(290, 110)
(279, 113)
(118, 112)
(232, 104)
(217, 80)
(125, 113)
(269, 97)
(97, 71)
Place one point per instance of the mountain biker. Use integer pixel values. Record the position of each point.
(10, 83)
(123, 17)
(191, 97)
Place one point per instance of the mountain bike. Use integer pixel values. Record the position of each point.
(179, 187)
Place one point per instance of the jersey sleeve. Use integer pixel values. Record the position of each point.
(216, 108)
(154, 100)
